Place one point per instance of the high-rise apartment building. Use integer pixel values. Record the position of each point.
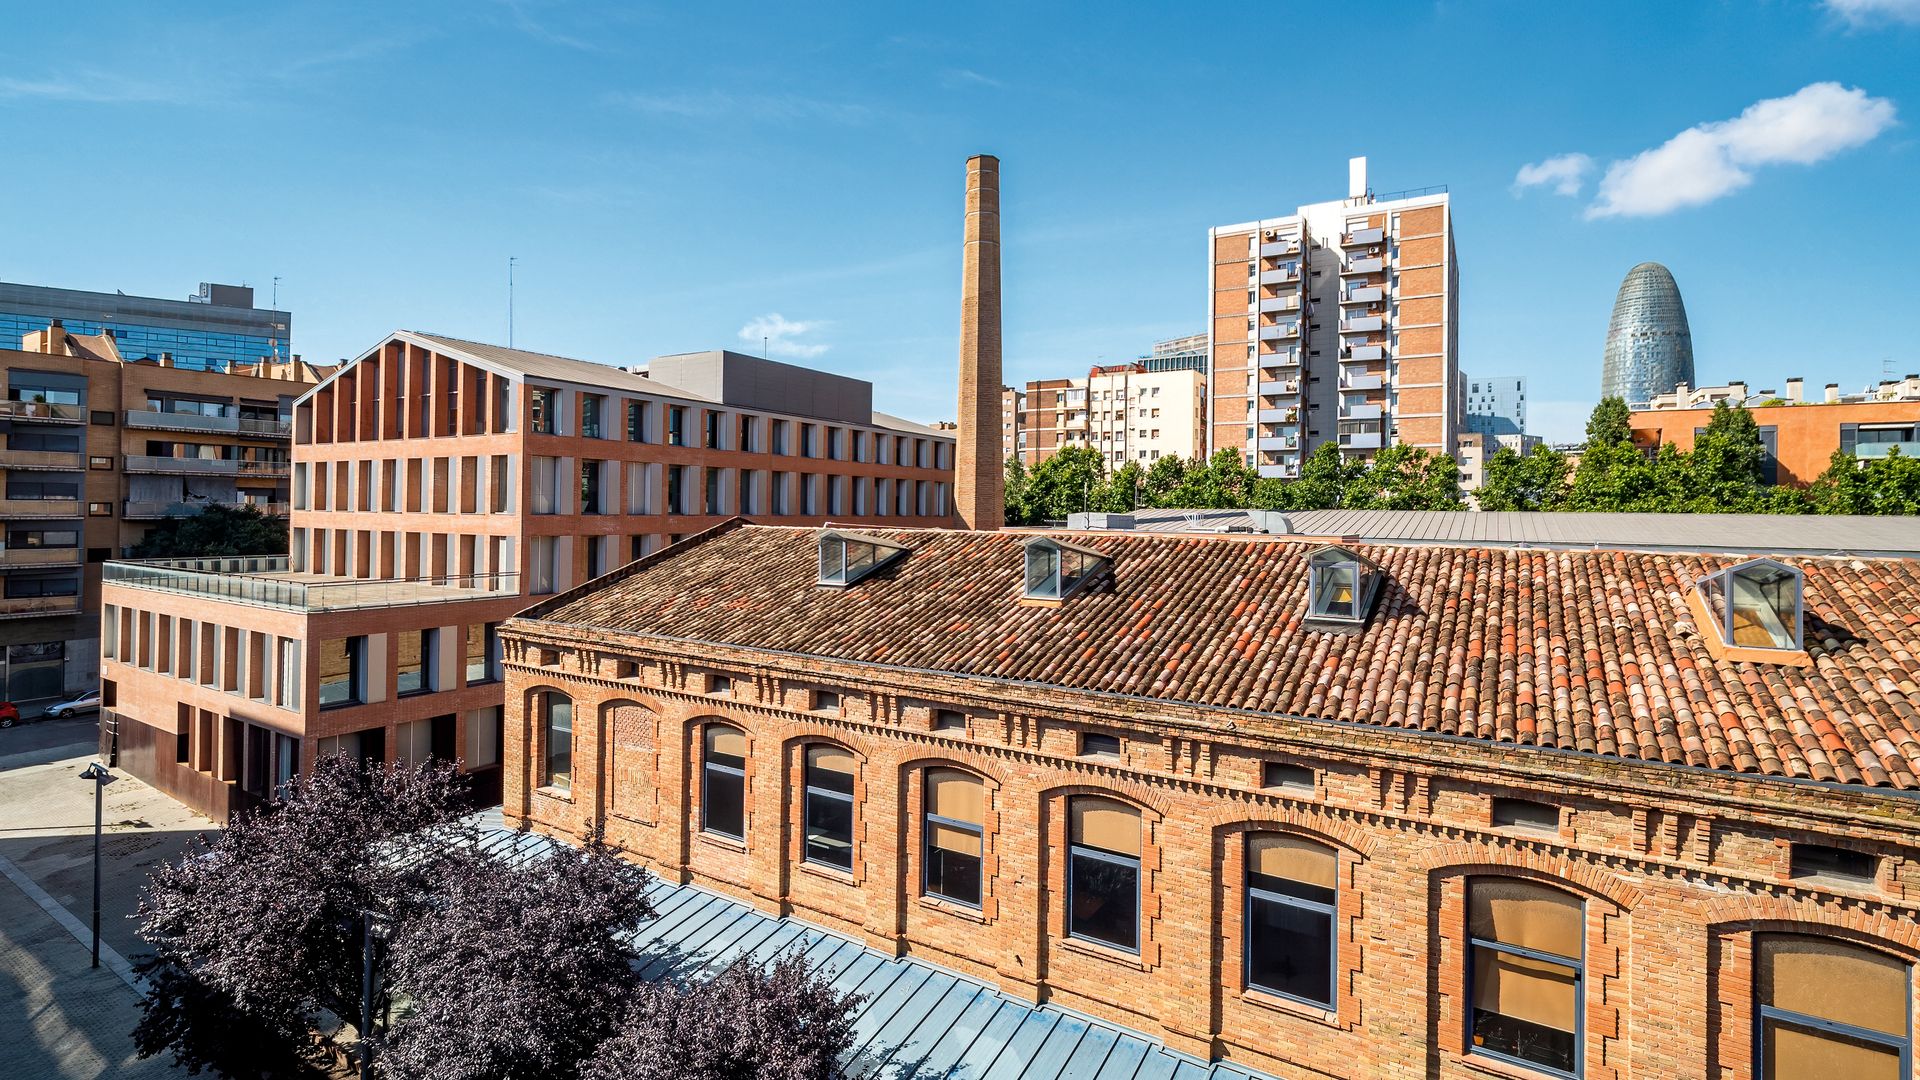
(1339, 322)
(437, 484)
(97, 449)
(212, 330)
(1496, 405)
(1128, 412)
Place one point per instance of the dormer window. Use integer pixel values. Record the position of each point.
(1056, 571)
(847, 557)
(1340, 586)
(1756, 605)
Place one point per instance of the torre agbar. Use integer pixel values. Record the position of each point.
(438, 486)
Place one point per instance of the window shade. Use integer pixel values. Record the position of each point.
(1524, 989)
(953, 794)
(1834, 981)
(1107, 825)
(1281, 856)
(1521, 913)
(726, 740)
(1794, 1052)
(948, 838)
(829, 759)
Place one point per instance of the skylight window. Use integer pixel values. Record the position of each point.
(1056, 571)
(1756, 605)
(847, 557)
(1340, 585)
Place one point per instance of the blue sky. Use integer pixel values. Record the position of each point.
(678, 177)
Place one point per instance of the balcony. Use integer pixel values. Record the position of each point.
(41, 461)
(1279, 248)
(1361, 237)
(173, 466)
(12, 558)
(1362, 294)
(1277, 416)
(42, 412)
(1360, 412)
(1364, 324)
(1868, 451)
(1287, 471)
(1281, 332)
(1364, 266)
(1286, 275)
(27, 607)
(1280, 442)
(1360, 382)
(1361, 440)
(39, 508)
(1272, 387)
(1365, 352)
(1270, 304)
(267, 581)
(230, 425)
(159, 510)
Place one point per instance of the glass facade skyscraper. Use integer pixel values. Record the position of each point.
(1649, 348)
(210, 331)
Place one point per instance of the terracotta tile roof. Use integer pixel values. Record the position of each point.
(1593, 651)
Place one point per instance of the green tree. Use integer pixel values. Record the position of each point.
(1610, 422)
(1065, 483)
(1888, 485)
(1613, 473)
(1537, 481)
(1324, 479)
(1163, 478)
(1225, 482)
(1404, 477)
(217, 529)
(1016, 500)
(1121, 491)
(1723, 471)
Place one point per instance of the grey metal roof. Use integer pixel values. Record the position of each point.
(1780, 534)
(916, 1021)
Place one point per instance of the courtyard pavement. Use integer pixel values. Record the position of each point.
(63, 1018)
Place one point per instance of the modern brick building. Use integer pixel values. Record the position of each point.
(98, 449)
(1128, 412)
(1339, 321)
(1798, 434)
(1383, 810)
(436, 485)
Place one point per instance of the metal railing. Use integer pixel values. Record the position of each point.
(39, 508)
(39, 556)
(235, 425)
(43, 460)
(17, 607)
(158, 509)
(48, 411)
(147, 463)
(266, 581)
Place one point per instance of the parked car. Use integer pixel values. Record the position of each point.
(9, 714)
(74, 706)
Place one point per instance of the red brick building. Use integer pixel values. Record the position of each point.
(1394, 811)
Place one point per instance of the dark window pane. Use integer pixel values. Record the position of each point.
(953, 875)
(1290, 951)
(1104, 899)
(829, 831)
(723, 803)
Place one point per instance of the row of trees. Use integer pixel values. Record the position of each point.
(481, 968)
(1722, 474)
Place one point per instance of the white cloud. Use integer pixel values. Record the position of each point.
(714, 104)
(1707, 161)
(1566, 172)
(94, 87)
(778, 332)
(1867, 12)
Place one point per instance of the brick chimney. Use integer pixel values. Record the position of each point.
(979, 472)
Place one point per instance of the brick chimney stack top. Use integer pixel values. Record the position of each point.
(979, 477)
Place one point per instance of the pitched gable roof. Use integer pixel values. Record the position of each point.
(1593, 651)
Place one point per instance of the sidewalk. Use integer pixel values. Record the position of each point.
(74, 1021)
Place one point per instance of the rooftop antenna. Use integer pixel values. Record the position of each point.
(510, 261)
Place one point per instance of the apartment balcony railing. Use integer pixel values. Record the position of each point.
(173, 466)
(41, 461)
(1361, 382)
(44, 412)
(1280, 387)
(1364, 266)
(1286, 275)
(1270, 304)
(1360, 412)
(1280, 442)
(1284, 472)
(1866, 451)
(267, 581)
(1365, 324)
(1365, 352)
(38, 508)
(28, 607)
(13, 557)
(157, 510)
(1364, 294)
(1359, 237)
(1362, 440)
(1279, 247)
(231, 425)
(1280, 332)
(1281, 358)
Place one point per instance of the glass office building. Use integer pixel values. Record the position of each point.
(210, 331)
(1649, 348)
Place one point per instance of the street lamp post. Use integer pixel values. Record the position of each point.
(101, 778)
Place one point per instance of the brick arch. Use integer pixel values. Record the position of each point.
(1889, 931)
(1473, 858)
(805, 736)
(992, 777)
(1340, 834)
(1152, 807)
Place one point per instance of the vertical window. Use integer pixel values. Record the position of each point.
(828, 827)
(636, 421)
(590, 407)
(955, 829)
(590, 487)
(1103, 872)
(676, 425)
(1525, 972)
(483, 652)
(1830, 1009)
(1290, 917)
(413, 665)
(340, 662)
(544, 404)
(723, 790)
(556, 717)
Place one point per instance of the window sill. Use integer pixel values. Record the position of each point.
(1110, 953)
(725, 843)
(1290, 1007)
(323, 708)
(829, 873)
(562, 794)
(954, 908)
(1506, 1070)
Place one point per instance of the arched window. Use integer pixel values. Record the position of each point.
(556, 722)
(723, 773)
(1291, 889)
(955, 828)
(1830, 1009)
(1525, 970)
(1103, 872)
(828, 827)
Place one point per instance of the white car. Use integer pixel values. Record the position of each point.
(87, 702)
